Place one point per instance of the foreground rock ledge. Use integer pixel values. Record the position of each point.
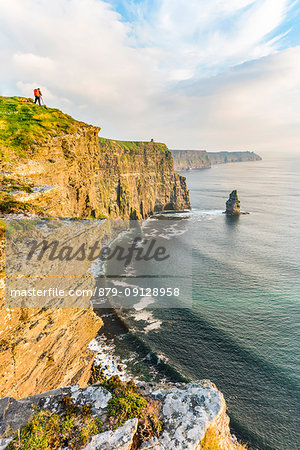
(187, 412)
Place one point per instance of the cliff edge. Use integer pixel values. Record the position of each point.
(74, 173)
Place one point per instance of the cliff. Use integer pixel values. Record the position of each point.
(229, 157)
(81, 175)
(201, 159)
(54, 165)
(191, 159)
(44, 348)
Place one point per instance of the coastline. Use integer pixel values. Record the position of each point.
(120, 351)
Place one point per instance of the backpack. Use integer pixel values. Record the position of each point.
(36, 93)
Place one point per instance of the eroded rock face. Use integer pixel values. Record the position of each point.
(45, 348)
(83, 176)
(233, 205)
(230, 157)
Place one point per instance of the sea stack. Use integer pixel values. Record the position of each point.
(233, 205)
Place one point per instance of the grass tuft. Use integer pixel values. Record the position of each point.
(48, 430)
(23, 125)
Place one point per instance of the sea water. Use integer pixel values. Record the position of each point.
(242, 329)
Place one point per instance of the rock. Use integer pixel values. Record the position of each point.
(121, 439)
(191, 159)
(230, 157)
(15, 413)
(96, 396)
(187, 412)
(233, 205)
(4, 443)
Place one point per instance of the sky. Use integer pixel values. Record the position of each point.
(195, 74)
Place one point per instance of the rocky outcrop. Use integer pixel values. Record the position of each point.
(191, 159)
(188, 411)
(229, 157)
(233, 205)
(120, 439)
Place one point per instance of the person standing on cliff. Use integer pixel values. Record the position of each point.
(37, 96)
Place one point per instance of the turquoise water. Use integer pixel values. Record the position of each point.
(242, 331)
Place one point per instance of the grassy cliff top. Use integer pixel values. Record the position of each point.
(22, 124)
(134, 147)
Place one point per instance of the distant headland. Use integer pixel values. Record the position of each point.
(201, 159)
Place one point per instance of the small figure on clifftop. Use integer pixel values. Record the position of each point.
(37, 96)
(233, 205)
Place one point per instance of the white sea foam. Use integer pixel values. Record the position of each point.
(143, 303)
(106, 358)
(145, 315)
(155, 325)
(211, 212)
(122, 283)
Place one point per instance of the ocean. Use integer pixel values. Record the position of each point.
(241, 330)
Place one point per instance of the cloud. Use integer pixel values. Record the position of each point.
(253, 106)
(191, 73)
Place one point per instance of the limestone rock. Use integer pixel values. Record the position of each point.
(121, 439)
(4, 443)
(15, 413)
(233, 205)
(187, 412)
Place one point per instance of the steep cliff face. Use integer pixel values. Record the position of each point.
(228, 157)
(53, 164)
(191, 159)
(87, 176)
(43, 348)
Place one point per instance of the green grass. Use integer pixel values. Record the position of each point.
(23, 124)
(47, 430)
(10, 184)
(133, 147)
(8, 205)
(126, 403)
(74, 427)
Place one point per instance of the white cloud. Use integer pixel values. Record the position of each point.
(175, 72)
